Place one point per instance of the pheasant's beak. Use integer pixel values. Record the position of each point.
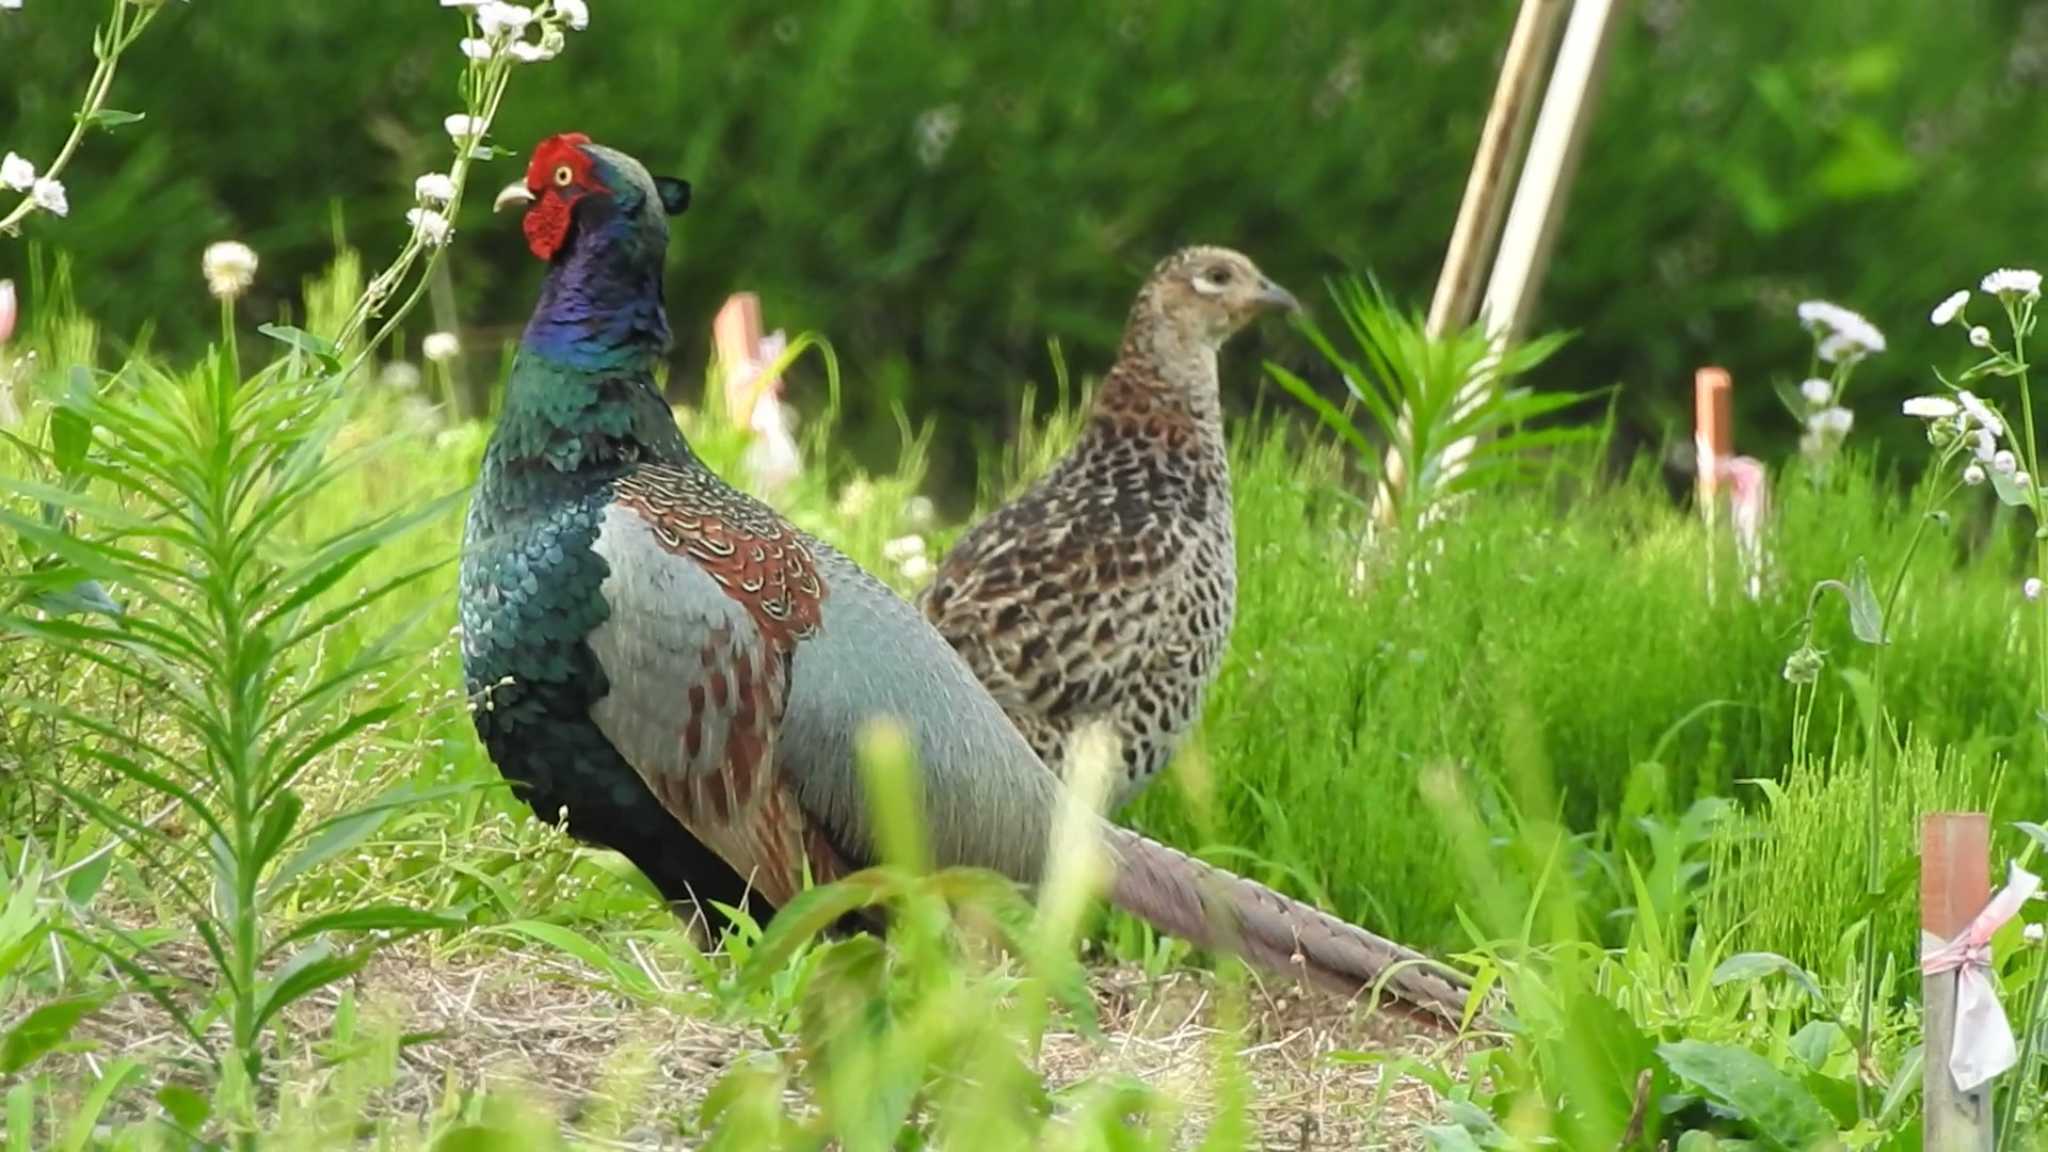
(1274, 298)
(514, 194)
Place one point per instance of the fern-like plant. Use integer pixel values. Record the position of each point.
(1453, 436)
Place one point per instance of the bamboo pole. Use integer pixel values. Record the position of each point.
(1530, 231)
(1503, 139)
(1955, 885)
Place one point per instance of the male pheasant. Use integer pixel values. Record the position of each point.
(1104, 594)
(686, 673)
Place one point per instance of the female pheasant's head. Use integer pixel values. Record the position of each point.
(574, 188)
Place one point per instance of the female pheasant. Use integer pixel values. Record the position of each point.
(1104, 594)
(686, 673)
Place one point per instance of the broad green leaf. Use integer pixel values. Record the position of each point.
(187, 1108)
(2009, 493)
(70, 437)
(112, 118)
(1746, 966)
(1775, 1105)
(1866, 616)
(85, 1120)
(44, 1028)
(307, 971)
(281, 816)
(298, 339)
(1816, 1042)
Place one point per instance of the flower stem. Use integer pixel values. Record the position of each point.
(114, 38)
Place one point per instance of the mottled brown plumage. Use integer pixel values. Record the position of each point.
(1104, 594)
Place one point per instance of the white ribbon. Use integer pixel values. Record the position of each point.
(1983, 1045)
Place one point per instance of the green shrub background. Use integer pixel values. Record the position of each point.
(1879, 152)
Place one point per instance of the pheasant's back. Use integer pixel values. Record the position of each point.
(1106, 592)
(529, 597)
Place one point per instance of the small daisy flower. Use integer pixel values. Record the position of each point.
(503, 21)
(1817, 391)
(2032, 588)
(1945, 312)
(575, 12)
(463, 129)
(49, 196)
(441, 347)
(477, 49)
(2022, 481)
(2004, 463)
(433, 228)
(531, 51)
(902, 548)
(1980, 336)
(2006, 283)
(1832, 423)
(229, 267)
(916, 568)
(1931, 407)
(16, 173)
(1980, 413)
(434, 188)
(1986, 446)
(1973, 475)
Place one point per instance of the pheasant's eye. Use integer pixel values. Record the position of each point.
(564, 176)
(1219, 274)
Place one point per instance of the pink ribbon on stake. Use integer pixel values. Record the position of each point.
(1983, 1045)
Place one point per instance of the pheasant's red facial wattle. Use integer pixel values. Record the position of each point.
(560, 174)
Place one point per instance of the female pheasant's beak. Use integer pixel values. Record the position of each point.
(1274, 298)
(514, 194)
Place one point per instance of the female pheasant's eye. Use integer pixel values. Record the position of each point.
(564, 176)
(1219, 275)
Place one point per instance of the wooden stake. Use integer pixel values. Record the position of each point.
(1494, 167)
(1713, 399)
(1533, 217)
(736, 336)
(1955, 885)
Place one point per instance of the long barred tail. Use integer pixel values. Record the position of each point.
(1220, 911)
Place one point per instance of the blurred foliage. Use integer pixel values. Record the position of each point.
(942, 186)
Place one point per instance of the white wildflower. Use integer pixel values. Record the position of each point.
(16, 173)
(399, 376)
(532, 51)
(1931, 407)
(464, 3)
(2034, 933)
(1817, 391)
(478, 49)
(919, 511)
(2022, 481)
(1831, 423)
(1986, 446)
(503, 21)
(434, 188)
(433, 228)
(902, 548)
(2004, 462)
(856, 498)
(916, 568)
(1980, 336)
(49, 196)
(441, 347)
(229, 267)
(1973, 475)
(576, 12)
(1845, 336)
(10, 5)
(2010, 282)
(2032, 588)
(1945, 312)
(1981, 413)
(463, 129)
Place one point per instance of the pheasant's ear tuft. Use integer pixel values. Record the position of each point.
(675, 194)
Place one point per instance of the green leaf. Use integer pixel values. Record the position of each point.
(85, 883)
(1866, 617)
(1816, 1042)
(70, 438)
(112, 118)
(278, 821)
(628, 977)
(2034, 831)
(375, 918)
(1747, 966)
(1776, 1106)
(187, 1108)
(306, 972)
(87, 597)
(2009, 493)
(300, 340)
(45, 1028)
